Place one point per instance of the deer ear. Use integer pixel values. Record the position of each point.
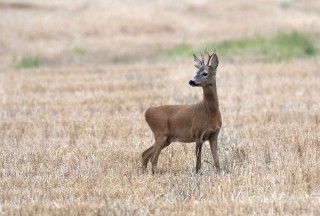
(214, 61)
(197, 62)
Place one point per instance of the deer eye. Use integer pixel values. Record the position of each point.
(204, 74)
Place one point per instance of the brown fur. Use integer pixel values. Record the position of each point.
(186, 123)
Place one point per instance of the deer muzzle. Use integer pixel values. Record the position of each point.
(193, 83)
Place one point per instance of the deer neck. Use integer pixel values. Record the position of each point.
(210, 99)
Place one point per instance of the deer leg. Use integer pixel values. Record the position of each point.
(214, 149)
(146, 155)
(159, 145)
(198, 155)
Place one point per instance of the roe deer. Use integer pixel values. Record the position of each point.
(188, 123)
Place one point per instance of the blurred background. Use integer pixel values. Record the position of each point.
(76, 77)
(59, 33)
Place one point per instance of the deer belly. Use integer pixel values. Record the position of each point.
(181, 139)
(180, 132)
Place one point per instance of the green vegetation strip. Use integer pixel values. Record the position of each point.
(79, 51)
(283, 46)
(30, 62)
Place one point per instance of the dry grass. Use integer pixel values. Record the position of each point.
(71, 143)
(71, 137)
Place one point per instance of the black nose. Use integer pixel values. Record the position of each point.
(191, 82)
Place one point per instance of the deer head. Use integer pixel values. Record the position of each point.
(206, 73)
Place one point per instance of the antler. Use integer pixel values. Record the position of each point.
(200, 63)
(202, 55)
(210, 56)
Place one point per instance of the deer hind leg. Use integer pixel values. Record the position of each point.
(198, 155)
(161, 142)
(146, 155)
(214, 149)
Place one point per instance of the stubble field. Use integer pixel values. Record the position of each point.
(72, 128)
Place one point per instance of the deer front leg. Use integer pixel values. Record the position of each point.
(161, 142)
(214, 149)
(198, 155)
